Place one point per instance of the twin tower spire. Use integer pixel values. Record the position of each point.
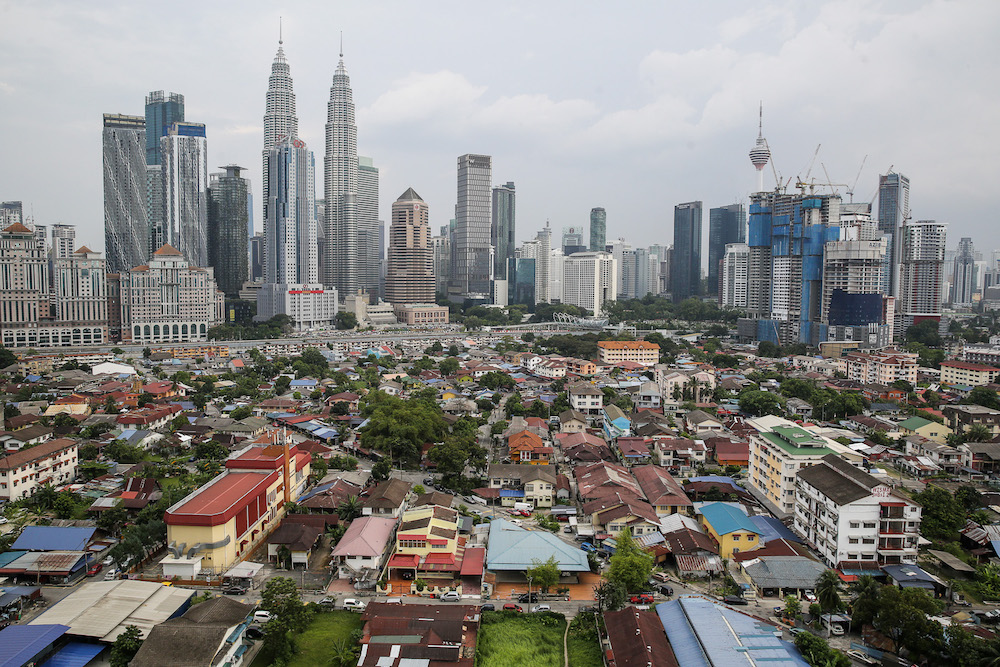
(342, 263)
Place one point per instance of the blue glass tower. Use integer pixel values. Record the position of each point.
(162, 111)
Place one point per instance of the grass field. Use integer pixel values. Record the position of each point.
(509, 638)
(584, 646)
(314, 644)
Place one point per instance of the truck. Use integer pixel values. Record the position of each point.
(525, 507)
(748, 592)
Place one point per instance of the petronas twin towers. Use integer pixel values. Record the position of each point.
(348, 221)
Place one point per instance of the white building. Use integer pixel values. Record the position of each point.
(852, 519)
(184, 178)
(921, 272)
(81, 294)
(309, 305)
(169, 300)
(589, 280)
(23, 472)
(540, 250)
(735, 266)
(854, 267)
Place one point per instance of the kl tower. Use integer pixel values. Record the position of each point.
(760, 153)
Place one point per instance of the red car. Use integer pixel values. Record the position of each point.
(510, 606)
(642, 598)
(94, 569)
(563, 518)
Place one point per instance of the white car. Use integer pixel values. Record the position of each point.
(837, 630)
(808, 596)
(541, 607)
(261, 616)
(863, 658)
(354, 605)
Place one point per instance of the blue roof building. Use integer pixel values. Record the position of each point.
(513, 549)
(704, 633)
(54, 538)
(27, 644)
(726, 519)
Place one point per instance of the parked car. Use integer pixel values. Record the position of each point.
(94, 569)
(660, 576)
(795, 631)
(540, 607)
(734, 599)
(111, 574)
(564, 518)
(327, 602)
(254, 632)
(510, 606)
(261, 616)
(863, 658)
(588, 609)
(451, 596)
(428, 481)
(489, 606)
(837, 630)
(354, 604)
(107, 561)
(524, 597)
(808, 596)
(568, 530)
(582, 538)
(666, 590)
(234, 589)
(587, 546)
(641, 598)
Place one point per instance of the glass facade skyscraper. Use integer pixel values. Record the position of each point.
(369, 245)
(686, 268)
(726, 224)
(341, 257)
(291, 253)
(228, 202)
(598, 229)
(162, 111)
(184, 174)
(520, 281)
(893, 211)
(502, 227)
(470, 274)
(126, 228)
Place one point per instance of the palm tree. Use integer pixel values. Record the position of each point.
(349, 509)
(978, 433)
(343, 653)
(284, 557)
(828, 591)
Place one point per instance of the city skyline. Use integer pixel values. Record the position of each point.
(680, 107)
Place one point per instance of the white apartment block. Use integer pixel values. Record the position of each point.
(880, 367)
(852, 519)
(169, 300)
(921, 271)
(735, 274)
(585, 398)
(24, 471)
(310, 306)
(854, 267)
(80, 285)
(589, 280)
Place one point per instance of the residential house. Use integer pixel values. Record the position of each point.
(698, 421)
(661, 490)
(528, 447)
(428, 544)
(731, 528)
(584, 448)
(925, 428)
(948, 458)
(417, 635)
(365, 546)
(619, 511)
(551, 369)
(520, 483)
(299, 539)
(52, 462)
(603, 478)
(636, 639)
(585, 398)
(983, 457)
(388, 498)
(852, 519)
(209, 633)
(649, 397)
(572, 421)
(633, 451)
(963, 417)
(616, 423)
(799, 408)
(680, 455)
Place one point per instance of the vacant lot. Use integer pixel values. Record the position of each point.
(509, 638)
(326, 629)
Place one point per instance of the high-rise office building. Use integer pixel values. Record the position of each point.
(257, 257)
(963, 276)
(184, 174)
(341, 260)
(162, 111)
(589, 280)
(280, 120)
(852, 291)
(441, 251)
(921, 272)
(726, 224)
(685, 279)
(470, 248)
(572, 240)
(735, 266)
(598, 229)
(368, 226)
(520, 281)
(11, 212)
(502, 228)
(126, 225)
(227, 229)
(410, 274)
(63, 240)
(893, 212)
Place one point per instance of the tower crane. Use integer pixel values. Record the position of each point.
(850, 192)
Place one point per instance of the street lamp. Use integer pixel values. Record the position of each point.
(529, 590)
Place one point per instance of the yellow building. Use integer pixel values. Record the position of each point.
(637, 351)
(731, 529)
(222, 522)
(964, 373)
(925, 427)
(427, 543)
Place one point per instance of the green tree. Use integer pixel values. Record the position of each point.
(630, 566)
(983, 396)
(64, 505)
(346, 320)
(241, 413)
(978, 433)
(768, 349)
(449, 366)
(828, 591)
(126, 645)
(925, 333)
(969, 497)
(381, 470)
(349, 508)
(793, 607)
(865, 595)
(318, 467)
(818, 653)
(759, 403)
(942, 515)
(610, 595)
(344, 653)
(211, 450)
(543, 574)
(111, 520)
(903, 617)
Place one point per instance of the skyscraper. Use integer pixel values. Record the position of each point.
(162, 111)
(410, 274)
(227, 229)
(572, 240)
(921, 272)
(598, 229)
(685, 280)
(963, 280)
(290, 256)
(184, 172)
(502, 228)
(589, 280)
(126, 227)
(893, 212)
(341, 257)
(470, 273)
(726, 224)
(368, 226)
(63, 240)
(280, 120)
(257, 256)
(735, 264)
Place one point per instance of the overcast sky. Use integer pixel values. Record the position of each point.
(633, 106)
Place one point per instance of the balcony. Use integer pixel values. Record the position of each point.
(891, 528)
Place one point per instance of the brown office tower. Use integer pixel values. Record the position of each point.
(410, 272)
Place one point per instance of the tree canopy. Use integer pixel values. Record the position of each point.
(630, 565)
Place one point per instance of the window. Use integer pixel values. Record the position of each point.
(853, 540)
(736, 538)
(855, 524)
(869, 524)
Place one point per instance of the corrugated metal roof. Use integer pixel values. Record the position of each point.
(20, 643)
(512, 548)
(54, 538)
(74, 654)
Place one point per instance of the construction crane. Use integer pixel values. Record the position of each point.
(850, 192)
(801, 183)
